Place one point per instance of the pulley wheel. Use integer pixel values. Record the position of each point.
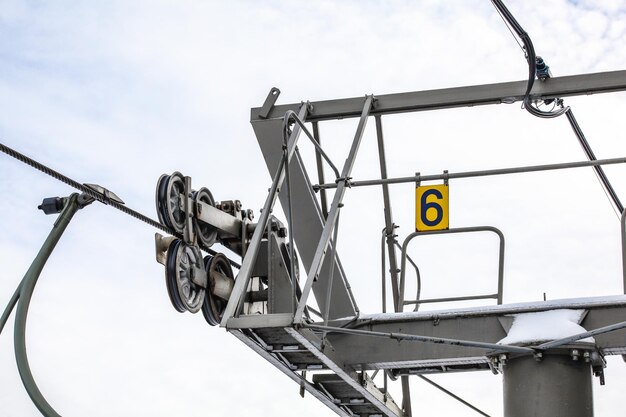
(182, 263)
(172, 202)
(206, 233)
(160, 198)
(213, 306)
(170, 276)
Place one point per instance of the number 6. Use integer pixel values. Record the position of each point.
(431, 205)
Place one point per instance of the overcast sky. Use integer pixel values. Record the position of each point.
(119, 92)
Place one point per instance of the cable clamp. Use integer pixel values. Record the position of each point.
(446, 177)
(418, 179)
(107, 196)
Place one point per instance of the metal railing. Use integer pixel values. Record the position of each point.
(409, 238)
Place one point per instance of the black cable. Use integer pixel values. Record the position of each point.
(101, 197)
(530, 57)
(532, 69)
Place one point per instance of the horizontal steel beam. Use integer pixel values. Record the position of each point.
(422, 339)
(474, 174)
(218, 219)
(446, 98)
(479, 325)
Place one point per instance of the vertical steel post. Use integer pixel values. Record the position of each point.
(320, 171)
(556, 386)
(391, 248)
(623, 232)
(320, 252)
(389, 225)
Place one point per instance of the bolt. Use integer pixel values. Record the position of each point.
(502, 359)
(575, 354)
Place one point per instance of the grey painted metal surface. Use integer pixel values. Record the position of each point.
(556, 386)
(333, 214)
(389, 225)
(249, 260)
(479, 325)
(508, 92)
(308, 222)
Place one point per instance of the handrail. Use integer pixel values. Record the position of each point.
(410, 237)
(291, 115)
(418, 276)
(384, 265)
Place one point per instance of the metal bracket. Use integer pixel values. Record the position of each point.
(161, 244)
(189, 233)
(272, 96)
(107, 195)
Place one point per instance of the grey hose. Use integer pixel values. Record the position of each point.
(26, 289)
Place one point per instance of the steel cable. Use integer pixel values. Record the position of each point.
(101, 197)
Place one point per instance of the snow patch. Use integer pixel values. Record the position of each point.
(545, 326)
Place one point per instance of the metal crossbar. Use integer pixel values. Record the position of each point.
(479, 173)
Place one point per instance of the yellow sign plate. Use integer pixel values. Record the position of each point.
(431, 208)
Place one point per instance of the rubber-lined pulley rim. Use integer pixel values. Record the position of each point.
(207, 311)
(173, 211)
(215, 306)
(160, 199)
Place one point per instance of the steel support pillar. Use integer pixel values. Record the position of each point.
(556, 386)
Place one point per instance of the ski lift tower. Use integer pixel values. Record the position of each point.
(335, 353)
(547, 351)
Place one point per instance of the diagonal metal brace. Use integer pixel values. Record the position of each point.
(238, 294)
(334, 211)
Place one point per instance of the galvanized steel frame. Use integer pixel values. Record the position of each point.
(390, 104)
